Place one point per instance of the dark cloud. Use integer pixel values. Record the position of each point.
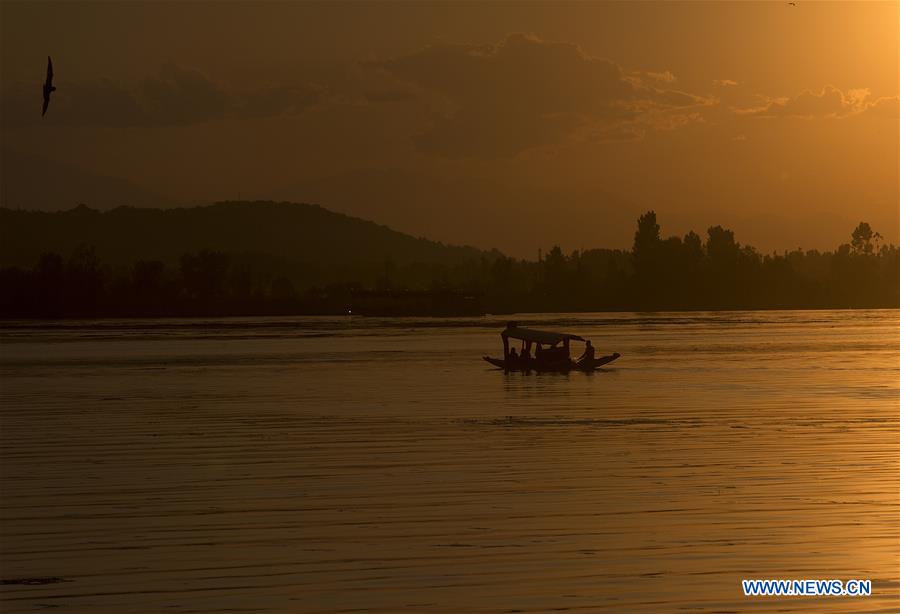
(525, 92)
(179, 96)
(96, 102)
(176, 96)
(675, 98)
(368, 82)
(278, 100)
(389, 95)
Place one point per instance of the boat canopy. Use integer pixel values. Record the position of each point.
(537, 336)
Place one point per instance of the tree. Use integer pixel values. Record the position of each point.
(721, 247)
(646, 255)
(693, 247)
(646, 237)
(146, 292)
(555, 271)
(204, 275)
(646, 246)
(862, 239)
(84, 280)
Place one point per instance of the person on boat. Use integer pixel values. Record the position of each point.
(588, 355)
(513, 356)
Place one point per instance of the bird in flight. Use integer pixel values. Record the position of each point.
(48, 85)
(792, 3)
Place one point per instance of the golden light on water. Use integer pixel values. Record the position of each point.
(728, 446)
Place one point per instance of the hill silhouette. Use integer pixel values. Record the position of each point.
(290, 232)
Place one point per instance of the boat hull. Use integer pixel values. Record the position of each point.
(572, 366)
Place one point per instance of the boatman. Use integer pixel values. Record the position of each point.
(588, 355)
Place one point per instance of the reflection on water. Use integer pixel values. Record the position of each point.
(336, 464)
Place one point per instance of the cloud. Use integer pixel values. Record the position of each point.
(725, 82)
(366, 83)
(277, 100)
(828, 103)
(180, 96)
(665, 77)
(92, 102)
(175, 96)
(886, 106)
(675, 98)
(389, 95)
(499, 100)
(102, 101)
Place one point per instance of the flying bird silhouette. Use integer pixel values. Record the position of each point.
(48, 85)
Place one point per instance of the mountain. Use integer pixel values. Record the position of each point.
(28, 181)
(293, 234)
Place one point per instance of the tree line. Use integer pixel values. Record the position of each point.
(673, 273)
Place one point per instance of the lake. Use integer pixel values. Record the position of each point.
(356, 464)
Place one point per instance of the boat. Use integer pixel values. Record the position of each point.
(554, 359)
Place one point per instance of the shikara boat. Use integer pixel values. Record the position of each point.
(555, 358)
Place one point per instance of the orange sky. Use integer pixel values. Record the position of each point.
(496, 124)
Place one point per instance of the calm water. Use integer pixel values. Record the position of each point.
(336, 465)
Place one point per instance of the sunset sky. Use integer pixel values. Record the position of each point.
(501, 124)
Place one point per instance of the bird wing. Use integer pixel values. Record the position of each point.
(46, 102)
(49, 70)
